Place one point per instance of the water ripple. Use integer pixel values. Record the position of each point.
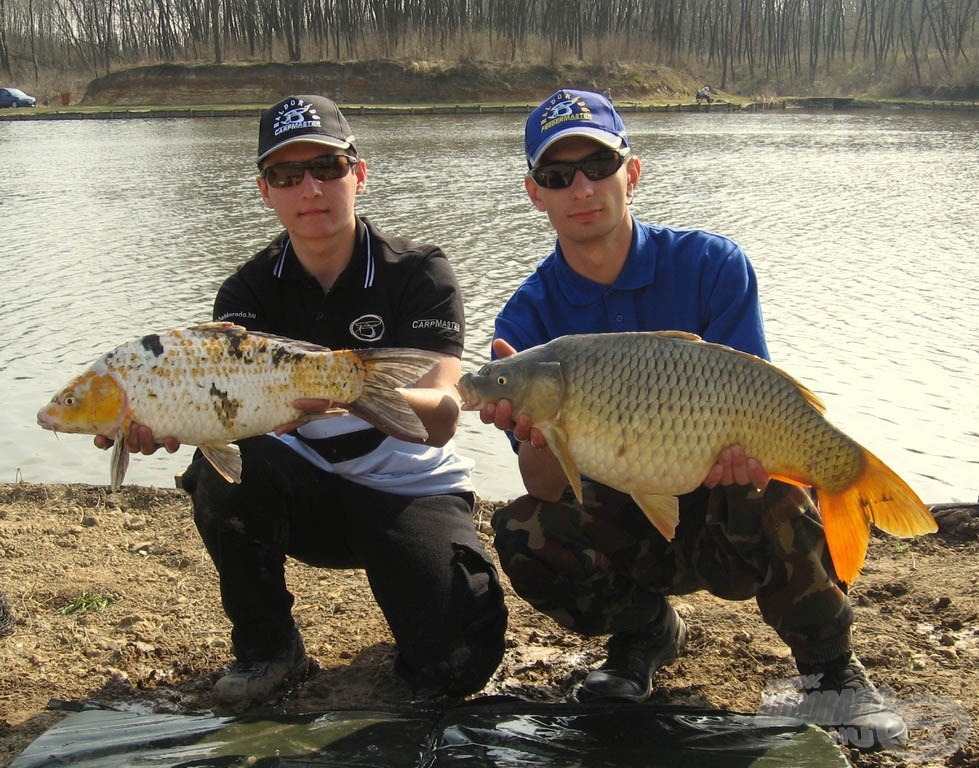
(861, 228)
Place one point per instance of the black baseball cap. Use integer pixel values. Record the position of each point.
(314, 119)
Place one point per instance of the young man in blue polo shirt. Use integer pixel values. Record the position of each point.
(600, 567)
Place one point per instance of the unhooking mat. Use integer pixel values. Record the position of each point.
(489, 733)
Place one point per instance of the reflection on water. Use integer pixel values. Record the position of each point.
(861, 227)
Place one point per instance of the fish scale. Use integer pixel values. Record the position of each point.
(649, 413)
(202, 387)
(214, 383)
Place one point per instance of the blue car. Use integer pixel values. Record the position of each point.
(14, 97)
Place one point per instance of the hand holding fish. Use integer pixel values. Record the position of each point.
(311, 407)
(501, 415)
(140, 440)
(735, 467)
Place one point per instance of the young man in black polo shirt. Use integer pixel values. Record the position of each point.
(338, 492)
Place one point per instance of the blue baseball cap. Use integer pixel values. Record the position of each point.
(573, 113)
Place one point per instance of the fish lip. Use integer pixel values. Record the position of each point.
(466, 394)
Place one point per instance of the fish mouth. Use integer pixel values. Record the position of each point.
(45, 421)
(470, 400)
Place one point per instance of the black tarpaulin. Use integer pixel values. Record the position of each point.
(477, 734)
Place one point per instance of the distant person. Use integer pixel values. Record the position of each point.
(601, 568)
(704, 95)
(337, 492)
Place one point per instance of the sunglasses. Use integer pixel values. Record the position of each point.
(323, 168)
(598, 166)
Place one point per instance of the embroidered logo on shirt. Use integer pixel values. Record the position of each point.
(367, 328)
(448, 325)
(242, 314)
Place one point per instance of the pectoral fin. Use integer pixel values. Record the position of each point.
(663, 512)
(120, 461)
(557, 441)
(226, 459)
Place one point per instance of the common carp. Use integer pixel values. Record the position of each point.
(648, 414)
(217, 382)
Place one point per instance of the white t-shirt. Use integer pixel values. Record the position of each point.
(395, 466)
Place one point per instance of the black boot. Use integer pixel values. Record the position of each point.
(841, 697)
(632, 660)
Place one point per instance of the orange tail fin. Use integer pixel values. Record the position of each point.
(878, 497)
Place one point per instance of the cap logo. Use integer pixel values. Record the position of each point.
(295, 114)
(563, 110)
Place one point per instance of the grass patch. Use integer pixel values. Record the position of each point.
(88, 602)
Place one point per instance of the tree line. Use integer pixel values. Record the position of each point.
(737, 39)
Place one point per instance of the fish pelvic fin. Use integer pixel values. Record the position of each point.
(226, 460)
(119, 462)
(662, 510)
(790, 480)
(877, 497)
(557, 441)
(380, 402)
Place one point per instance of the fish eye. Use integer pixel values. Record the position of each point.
(69, 400)
(502, 380)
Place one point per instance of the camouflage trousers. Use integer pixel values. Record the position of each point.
(601, 567)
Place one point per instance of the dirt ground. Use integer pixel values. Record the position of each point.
(114, 599)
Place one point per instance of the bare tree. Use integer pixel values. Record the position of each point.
(215, 15)
(4, 52)
(731, 38)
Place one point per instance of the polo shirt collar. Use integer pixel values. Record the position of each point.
(360, 270)
(637, 272)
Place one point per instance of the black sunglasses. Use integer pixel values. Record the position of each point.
(322, 168)
(597, 166)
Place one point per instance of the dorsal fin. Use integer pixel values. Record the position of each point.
(808, 395)
(678, 335)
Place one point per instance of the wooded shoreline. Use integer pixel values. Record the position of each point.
(360, 110)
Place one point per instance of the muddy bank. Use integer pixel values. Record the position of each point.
(113, 598)
(378, 82)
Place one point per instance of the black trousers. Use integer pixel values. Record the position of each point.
(429, 573)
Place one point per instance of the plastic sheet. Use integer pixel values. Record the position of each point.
(478, 734)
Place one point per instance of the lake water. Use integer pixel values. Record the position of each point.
(863, 228)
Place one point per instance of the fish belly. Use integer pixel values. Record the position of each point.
(641, 455)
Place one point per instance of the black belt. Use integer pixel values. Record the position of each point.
(345, 447)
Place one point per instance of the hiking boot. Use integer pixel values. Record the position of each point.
(854, 708)
(250, 682)
(633, 658)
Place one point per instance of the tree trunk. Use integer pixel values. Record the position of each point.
(4, 54)
(216, 29)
